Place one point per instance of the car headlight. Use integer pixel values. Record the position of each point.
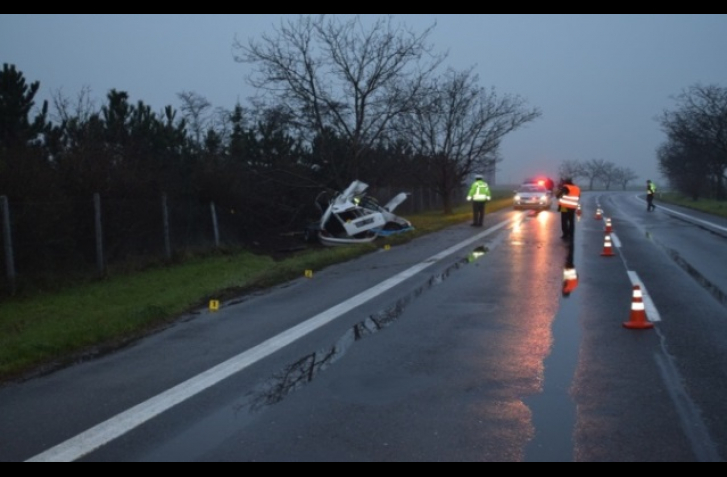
(517, 198)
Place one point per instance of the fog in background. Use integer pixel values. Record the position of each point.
(600, 80)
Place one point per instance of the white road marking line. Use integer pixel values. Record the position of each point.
(119, 425)
(616, 241)
(688, 218)
(652, 313)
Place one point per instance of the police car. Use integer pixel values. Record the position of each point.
(533, 196)
(546, 182)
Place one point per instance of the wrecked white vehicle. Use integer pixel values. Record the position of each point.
(353, 217)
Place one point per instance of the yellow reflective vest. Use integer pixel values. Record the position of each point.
(480, 192)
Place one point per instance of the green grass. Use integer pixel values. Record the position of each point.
(52, 329)
(710, 206)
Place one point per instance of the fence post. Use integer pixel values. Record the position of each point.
(167, 239)
(215, 225)
(8, 239)
(99, 235)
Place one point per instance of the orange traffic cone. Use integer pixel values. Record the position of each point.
(638, 319)
(609, 226)
(599, 214)
(608, 247)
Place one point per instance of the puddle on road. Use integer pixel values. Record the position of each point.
(205, 435)
(554, 410)
(307, 368)
(477, 254)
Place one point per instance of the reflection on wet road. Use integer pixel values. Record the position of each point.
(515, 352)
(307, 368)
(532, 363)
(554, 411)
(509, 348)
(444, 373)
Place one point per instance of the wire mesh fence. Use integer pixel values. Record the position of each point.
(44, 241)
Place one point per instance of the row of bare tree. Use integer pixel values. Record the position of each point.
(693, 158)
(598, 172)
(337, 101)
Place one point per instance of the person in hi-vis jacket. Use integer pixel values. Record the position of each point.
(569, 200)
(479, 195)
(650, 193)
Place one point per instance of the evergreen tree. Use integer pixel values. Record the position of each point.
(17, 100)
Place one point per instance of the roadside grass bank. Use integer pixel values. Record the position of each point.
(710, 206)
(47, 331)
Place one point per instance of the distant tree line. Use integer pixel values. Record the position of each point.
(337, 101)
(598, 172)
(694, 157)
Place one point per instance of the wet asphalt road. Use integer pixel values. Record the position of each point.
(418, 355)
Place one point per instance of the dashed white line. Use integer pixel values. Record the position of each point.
(652, 313)
(616, 241)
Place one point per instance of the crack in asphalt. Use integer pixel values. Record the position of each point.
(703, 281)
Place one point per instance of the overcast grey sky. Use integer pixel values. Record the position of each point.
(599, 80)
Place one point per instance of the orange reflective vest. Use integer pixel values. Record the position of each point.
(572, 199)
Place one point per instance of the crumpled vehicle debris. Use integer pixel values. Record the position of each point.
(353, 217)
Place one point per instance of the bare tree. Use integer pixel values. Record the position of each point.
(698, 127)
(609, 173)
(571, 169)
(597, 171)
(79, 110)
(683, 165)
(341, 77)
(624, 176)
(196, 110)
(458, 127)
(593, 170)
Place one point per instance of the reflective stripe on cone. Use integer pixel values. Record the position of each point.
(608, 247)
(638, 320)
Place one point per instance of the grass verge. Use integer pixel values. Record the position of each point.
(48, 331)
(710, 206)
